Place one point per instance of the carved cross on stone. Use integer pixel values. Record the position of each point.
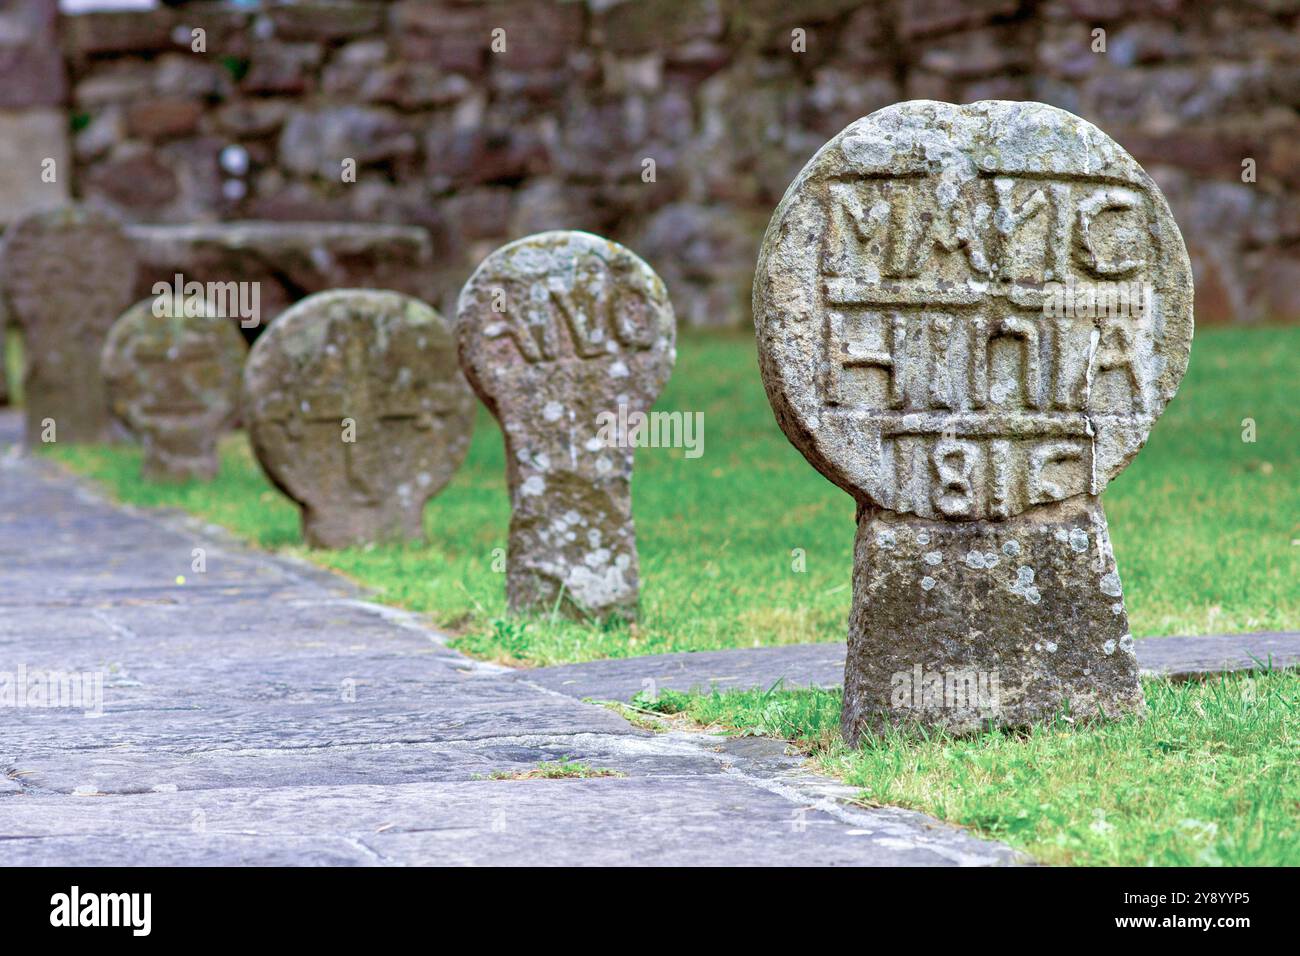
(359, 412)
(173, 379)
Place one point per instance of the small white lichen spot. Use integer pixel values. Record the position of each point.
(1061, 535)
(552, 411)
(923, 537)
(1078, 540)
(927, 583)
(1117, 608)
(991, 559)
(1108, 648)
(1024, 585)
(974, 559)
(534, 485)
(885, 539)
(594, 444)
(1051, 647)
(933, 558)
(1109, 585)
(1126, 645)
(1011, 548)
(618, 370)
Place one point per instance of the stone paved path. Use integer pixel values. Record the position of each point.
(226, 736)
(822, 665)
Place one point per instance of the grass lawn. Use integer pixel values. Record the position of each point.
(1210, 777)
(1202, 522)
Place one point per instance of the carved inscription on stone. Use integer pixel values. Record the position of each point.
(557, 330)
(941, 374)
(969, 317)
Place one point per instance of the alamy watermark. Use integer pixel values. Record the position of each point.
(226, 300)
(963, 690)
(624, 429)
(78, 691)
(1097, 300)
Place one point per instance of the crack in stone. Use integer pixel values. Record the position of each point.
(1094, 340)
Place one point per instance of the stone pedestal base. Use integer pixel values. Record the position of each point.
(75, 401)
(573, 550)
(962, 625)
(346, 526)
(180, 457)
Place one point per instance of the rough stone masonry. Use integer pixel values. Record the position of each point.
(173, 368)
(555, 330)
(357, 410)
(969, 318)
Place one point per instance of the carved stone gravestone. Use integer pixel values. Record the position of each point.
(357, 410)
(67, 274)
(969, 317)
(559, 331)
(173, 370)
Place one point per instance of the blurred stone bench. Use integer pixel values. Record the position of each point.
(289, 260)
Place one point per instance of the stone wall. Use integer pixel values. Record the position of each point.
(33, 105)
(480, 146)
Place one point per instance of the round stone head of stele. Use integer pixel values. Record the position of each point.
(967, 311)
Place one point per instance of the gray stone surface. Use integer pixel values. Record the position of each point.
(264, 713)
(822, 665)
(929, 334)
(357, 410)
(568, 339)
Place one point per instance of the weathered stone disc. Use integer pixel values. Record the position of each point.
(385, 363)
(900, 308)
(174, 379)
(67, 275)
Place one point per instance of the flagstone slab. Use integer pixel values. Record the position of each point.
(264, 713)
(139, 770)
(665, 820)
(226, 849)
(822, 665)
